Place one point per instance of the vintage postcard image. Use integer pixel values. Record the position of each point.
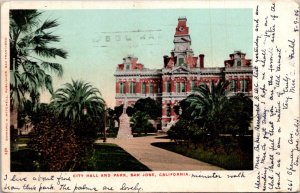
(148, 96)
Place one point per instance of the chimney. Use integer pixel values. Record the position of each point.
(201, 59)
(166, 60)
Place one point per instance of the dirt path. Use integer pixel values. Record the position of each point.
(158, 159)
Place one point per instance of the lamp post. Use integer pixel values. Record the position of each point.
(84, 111)
(104, 132)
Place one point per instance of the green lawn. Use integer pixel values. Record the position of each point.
(234, 161)
(106, 157)
(110, 157)
(23, 140)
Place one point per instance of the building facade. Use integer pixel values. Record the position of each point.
(181, 72)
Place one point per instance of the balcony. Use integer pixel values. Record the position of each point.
(145, 72)
(239, 69)
(137, 95)
(176, 94)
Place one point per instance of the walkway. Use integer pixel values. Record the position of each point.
(158, 159)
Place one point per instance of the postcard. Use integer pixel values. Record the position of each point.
(150, 96)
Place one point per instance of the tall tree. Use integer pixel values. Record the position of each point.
(80, 105)
(77, 100)
(150, 106)
(207, 105)
(31, 44)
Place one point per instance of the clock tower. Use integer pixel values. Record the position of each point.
(182, 42)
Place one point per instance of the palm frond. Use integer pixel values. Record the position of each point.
(47, 25)
(55, 67)
(50, 52)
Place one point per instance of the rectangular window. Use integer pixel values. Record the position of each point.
(151, 88)
(178, 87)
(193, 85)
(132, 87)
(143, 88)
(244, 85)
(168, 110)
(180, 61)
(122, 87)
(127, 66)
(158, 88)
(168, 86)
(182, 87)
(233, 85)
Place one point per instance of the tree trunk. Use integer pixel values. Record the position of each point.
(14, 118)
(14, 132)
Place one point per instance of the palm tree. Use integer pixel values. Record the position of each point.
(206, 105)
(140, 121)
(30, 45)
(78, 100)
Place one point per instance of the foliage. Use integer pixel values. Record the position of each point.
(179, 132)
(82, 105)
(74, 98)
(130, 111)
(55, 142)
(149, 106)
(30, 47)
(207, 106)
(210, 114)
(140, 122)
(240, 114)
(62, 132)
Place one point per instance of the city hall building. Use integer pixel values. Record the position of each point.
(181, 72)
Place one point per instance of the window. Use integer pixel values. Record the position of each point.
(193, 85)
(168, 86)
(168, 110)
(244, 85)
(127, 66)
(233, 85)
(122, 87)
(238, 63)
(182, 87)
(178, 87)
(132, 87)
(151, 88)
(143, 88)
(180, 61)
(158, 88)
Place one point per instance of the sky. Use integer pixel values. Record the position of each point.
(98, 40)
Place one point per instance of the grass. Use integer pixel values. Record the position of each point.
(110, 157)
(106, 157)
(23, 140)
(234, 161)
